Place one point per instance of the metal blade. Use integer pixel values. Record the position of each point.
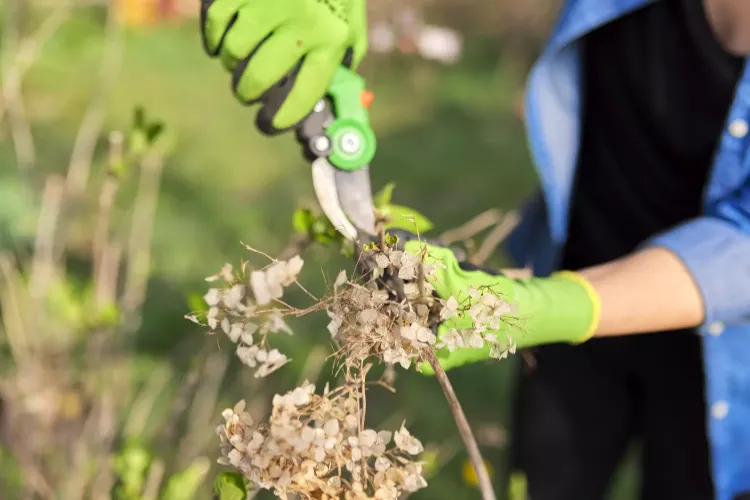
(326, 189)
(355, 196)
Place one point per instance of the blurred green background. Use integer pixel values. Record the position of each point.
(450, 138)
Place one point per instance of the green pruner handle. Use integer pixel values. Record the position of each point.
(353, 142)
(339, 125)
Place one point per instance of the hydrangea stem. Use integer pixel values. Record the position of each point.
(472, 448)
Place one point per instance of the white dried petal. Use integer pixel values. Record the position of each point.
(332, 427)
(407, 273)
(382, 464)
(235, 332)
(232, 298)
(381, 260)
(368, 437)
(259, 286)
(248, 355)
(368, 316)
(335, 323)
(395, 257)
(212, 297)
(351, 422)
(308, 434)
(212, 318)
(425, 335)
(384, 437)
(410, 332)
(406, 442)
(340, 279)
(476, 341)
(247, 334)
(294, 267)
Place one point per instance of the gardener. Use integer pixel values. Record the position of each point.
(637, 114)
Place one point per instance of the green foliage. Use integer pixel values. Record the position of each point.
(383, 197)
(399, 216)
(517, 486)
(73, 304)
(131, 466)
(317, 227)
(11, 477)
(230, 486)
(196, 304)
(144, 132)
(184, 485)
(408, 219)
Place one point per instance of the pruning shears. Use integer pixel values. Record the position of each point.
(337, 138)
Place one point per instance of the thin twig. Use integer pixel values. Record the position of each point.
(93, 119)
(203, 407)
(43, 264)
(29, 48)
(473, 227)
(106, 253)
(141, 231)
(15, 317)
(297, 245)
(472, 448)
(495, 238)
(154, 480)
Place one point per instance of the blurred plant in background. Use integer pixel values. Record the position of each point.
(72, 409)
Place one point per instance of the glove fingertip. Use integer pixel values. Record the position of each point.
(283, 121)
(358, 53)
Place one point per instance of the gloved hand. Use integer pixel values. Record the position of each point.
(561, 308)
(261, 41)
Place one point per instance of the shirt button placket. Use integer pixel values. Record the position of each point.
(720, 410)
(716, 328)
(738, 128)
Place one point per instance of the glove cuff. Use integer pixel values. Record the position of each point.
(593, 296)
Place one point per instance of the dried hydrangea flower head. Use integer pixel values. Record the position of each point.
(314, 446)
(392, 317)
(242, 309)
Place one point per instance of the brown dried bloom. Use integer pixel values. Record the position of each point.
(314, 446)
(241, 309)
(393, 316)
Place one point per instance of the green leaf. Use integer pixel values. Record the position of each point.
(196, 303)
(324, 232)
(383, 197)
(430, 460)
(303, 220)
(230, 486)
(408, 219)
(153, 131)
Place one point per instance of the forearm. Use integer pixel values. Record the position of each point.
(645, 292)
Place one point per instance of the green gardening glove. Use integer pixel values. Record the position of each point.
(561, 308)
(262, 41)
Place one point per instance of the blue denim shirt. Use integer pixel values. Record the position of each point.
(714, 247)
